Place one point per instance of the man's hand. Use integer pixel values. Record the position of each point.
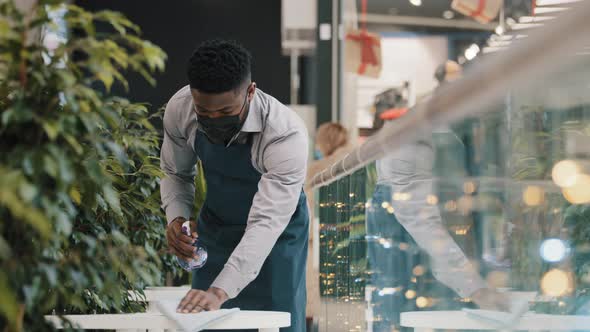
(491, 299)
(179, 243)
(197, 300)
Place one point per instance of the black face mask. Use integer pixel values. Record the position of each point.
(222, 130)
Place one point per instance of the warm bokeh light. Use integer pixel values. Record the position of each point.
(579, 192)
(557, 283)
(418, 270)
(410, 294)
(422, 302)
(533, 195)
(462, 231)
(564, 173)
(432, 199)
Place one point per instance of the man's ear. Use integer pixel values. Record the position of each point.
(251, 91)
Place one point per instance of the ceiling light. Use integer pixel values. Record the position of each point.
(510, 21)
(448, 14)
(554, 2)
(499, 43)
(471, 52)
(416, 2)
(545, 10)
(534, 19)
(487, 50)
(524, 26)
(501, 38)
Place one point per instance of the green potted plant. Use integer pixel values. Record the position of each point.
(80, 222)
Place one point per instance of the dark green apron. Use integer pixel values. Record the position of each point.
(232, 182)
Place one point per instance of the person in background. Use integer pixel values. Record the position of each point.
(386, 100)
(331, 144)
(448, 72)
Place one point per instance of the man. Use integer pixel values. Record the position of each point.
(254, 222)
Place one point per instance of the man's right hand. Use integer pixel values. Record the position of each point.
(179, 243)
(491, 299)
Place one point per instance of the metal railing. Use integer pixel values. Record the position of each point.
(547, 50)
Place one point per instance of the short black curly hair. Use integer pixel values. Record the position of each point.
(218, 66)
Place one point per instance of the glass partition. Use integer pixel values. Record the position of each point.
(488, 212)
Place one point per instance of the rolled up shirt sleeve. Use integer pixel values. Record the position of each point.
(279, 189)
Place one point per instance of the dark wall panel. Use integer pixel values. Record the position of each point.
(178, 26)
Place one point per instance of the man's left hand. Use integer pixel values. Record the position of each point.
(197, 300)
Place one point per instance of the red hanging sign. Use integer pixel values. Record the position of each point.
(483, 11)
(365, 43)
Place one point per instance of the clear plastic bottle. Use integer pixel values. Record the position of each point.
(199, 250)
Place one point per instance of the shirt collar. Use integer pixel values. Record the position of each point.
(253, 123)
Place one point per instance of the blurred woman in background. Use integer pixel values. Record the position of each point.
(331, 144)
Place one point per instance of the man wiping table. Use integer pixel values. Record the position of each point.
(254, 222)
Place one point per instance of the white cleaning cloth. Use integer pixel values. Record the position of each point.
(192, 322)
(502, 319)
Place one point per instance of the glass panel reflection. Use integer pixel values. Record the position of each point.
(491, 209)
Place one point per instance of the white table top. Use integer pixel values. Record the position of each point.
(239, 320)
(459, 320)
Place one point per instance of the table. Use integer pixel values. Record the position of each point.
(154, 321)
(423, 321)
(264, 321)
